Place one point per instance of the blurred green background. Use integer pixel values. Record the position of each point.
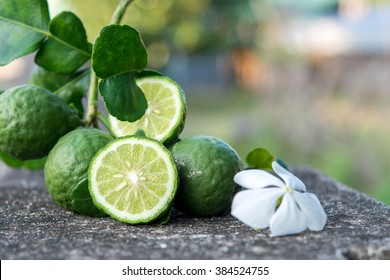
(307, 80)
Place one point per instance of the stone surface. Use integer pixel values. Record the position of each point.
(32, 226)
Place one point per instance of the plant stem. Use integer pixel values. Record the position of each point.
(120, 11)
(91, 117)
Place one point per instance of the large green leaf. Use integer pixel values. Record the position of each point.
(24, 25)
(67, 47)
(118, 49)
(123, 98)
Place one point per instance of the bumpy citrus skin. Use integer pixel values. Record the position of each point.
(69, 160)
(206, 168)
(32, 119)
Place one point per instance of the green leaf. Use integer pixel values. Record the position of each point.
(123, 98)
(260, 158)
(10, 160)
(73, 96)
(70, 88)
(24, 25)
(140, 133)
(47, 79)
(54, 81)
(34, 164)
(67, 48)
(164, 219)
(282, 163)
(148, 73)
(75, 90)
(118, 49)
(82, 200)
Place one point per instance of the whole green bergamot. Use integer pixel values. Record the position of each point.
(206, 168)
(32, 119)
(68, 162)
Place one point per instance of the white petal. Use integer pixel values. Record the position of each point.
(288, 219)
(312, 209)
(255, 207)
(254, 179)
(289, 178)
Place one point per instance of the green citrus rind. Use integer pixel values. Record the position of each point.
(32, 119)
(206, 167)
(164, 119)
(133, 179)
(68, 162)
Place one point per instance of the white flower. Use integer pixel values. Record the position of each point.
(284, 207)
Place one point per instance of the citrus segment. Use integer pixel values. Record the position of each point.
(133, 179)
(164, 118)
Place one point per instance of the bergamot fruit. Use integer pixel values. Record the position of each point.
(165, 116)
(32, 119)
(206, 168)
(134, 180)
(68, 162)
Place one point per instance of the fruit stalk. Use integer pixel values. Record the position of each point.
(92, 113)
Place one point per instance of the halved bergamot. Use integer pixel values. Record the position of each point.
(133, 179)
(164, 118)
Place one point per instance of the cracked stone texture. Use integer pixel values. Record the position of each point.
(32, 226)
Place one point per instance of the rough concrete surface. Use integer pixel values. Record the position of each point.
(32, 226)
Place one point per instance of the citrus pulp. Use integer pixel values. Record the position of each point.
(133, 179)
(165, 115)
